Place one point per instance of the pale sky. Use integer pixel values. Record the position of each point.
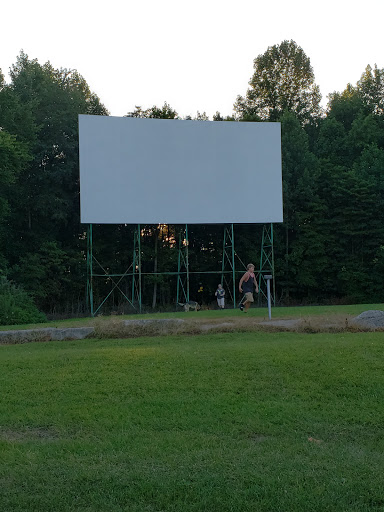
(195, 55)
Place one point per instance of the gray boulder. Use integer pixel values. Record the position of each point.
(372, 319)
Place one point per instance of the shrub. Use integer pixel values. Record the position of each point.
(16, 306)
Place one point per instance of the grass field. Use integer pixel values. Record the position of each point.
(220, 422)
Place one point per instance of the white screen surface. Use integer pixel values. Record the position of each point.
(151, 171)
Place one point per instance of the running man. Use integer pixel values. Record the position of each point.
(246, 284)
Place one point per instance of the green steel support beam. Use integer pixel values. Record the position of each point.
(136, 277)
(187, 258)
(139, 240)
(233, 267)
(229, 260)
(182, 291)
(178, 272)
(90, 270)
(267, 264)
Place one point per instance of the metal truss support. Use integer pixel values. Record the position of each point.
(136, 272)
(267, 264)
(228, 271)
(183, 267)
(106, 275)
(89, 298)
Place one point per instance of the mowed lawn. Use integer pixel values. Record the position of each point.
(218, 422)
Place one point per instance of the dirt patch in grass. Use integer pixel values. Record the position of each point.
(258, 438)
(28, 434)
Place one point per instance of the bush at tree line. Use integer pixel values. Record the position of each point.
(16, 306)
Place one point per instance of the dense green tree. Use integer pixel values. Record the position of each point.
(46, 196)
(14, 156)
(371, 89)
(366, 130)
(283, 80)
(346, 106)
(40, 107)
(332, 143)
(300, 241)
(45, 275)
(357, 234)
(349, 147)
(201, 116)
(164, 112)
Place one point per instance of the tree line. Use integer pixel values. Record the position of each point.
(329, 248)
